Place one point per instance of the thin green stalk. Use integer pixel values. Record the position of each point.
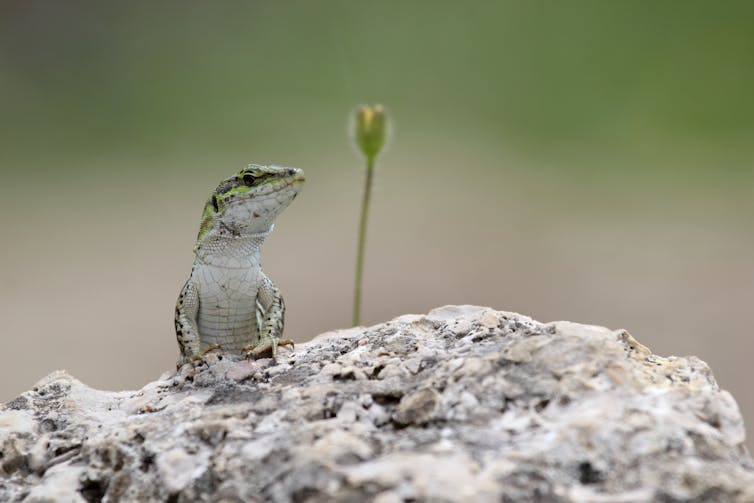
(362, 241)
(369, 129)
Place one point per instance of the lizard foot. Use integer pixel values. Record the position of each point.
(266, 343)
(198, 359)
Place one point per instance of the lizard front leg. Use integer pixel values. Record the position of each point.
(186, 331)
(271, 315)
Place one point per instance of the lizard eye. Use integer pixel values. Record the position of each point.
(248, 179)
(214, 203)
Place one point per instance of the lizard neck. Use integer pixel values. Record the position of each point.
(233, 252)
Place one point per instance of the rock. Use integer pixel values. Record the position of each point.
(463, 404)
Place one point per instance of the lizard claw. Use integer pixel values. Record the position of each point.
(267, 343)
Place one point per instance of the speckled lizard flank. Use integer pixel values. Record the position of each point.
(228, 302)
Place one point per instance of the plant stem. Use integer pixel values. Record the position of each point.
(362, 239)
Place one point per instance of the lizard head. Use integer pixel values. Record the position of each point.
(249, 201)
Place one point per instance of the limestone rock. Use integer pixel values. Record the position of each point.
(463, 404)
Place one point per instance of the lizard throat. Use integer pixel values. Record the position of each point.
(231, 251)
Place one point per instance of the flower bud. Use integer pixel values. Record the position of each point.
(370, 128)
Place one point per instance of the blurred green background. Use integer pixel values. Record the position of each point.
(589, 161)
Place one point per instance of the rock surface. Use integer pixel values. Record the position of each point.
(463, 404)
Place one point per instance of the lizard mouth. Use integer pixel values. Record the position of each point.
(298, 178)
(293, 181)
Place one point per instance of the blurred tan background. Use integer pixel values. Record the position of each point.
(589, 161)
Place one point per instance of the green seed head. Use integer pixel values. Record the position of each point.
(369, 129)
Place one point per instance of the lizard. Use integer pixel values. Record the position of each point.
(228, 303)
